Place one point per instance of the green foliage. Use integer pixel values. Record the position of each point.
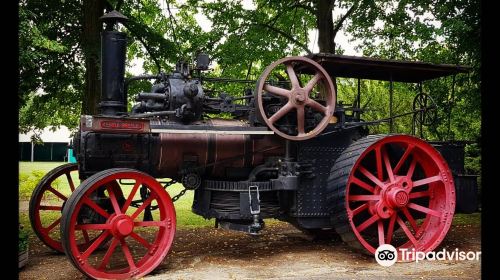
(28, 182)
(23, 241)
(473, 162)
(50, 62)
(243, 41)
(433, 31)
(473, 159)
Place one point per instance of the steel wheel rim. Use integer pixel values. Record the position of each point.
(120, 227)
(392, 201)
(320, 74)
(44, 186)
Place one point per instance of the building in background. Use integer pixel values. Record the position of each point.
(54, 148)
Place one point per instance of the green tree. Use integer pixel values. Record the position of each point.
(59, 48)
(49, 61)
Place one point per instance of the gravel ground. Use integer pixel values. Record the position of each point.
(281, 252)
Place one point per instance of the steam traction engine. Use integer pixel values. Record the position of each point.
(287, 154)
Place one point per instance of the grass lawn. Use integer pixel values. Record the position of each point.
(28, 167)
(467, 219)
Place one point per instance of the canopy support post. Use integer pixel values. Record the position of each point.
(391, 121)
(358, 113)
(452, 100)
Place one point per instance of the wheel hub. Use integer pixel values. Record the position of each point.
(398, 198)
(299, 96)
(121, 226)
(396, 195)
(402, 198)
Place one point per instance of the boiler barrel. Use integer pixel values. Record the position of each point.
(218, 155)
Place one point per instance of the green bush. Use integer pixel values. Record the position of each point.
(23, 239)
(473, 159)
(28, 182)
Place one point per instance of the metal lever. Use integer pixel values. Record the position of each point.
(253, 195)
(256, 188)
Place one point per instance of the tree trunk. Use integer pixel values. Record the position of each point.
(326, 34)
(324, 23)
(91, 44)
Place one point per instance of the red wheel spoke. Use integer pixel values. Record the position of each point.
(95, 207)
(150, 224)
(390, 229)
(85, 236)
(281, 112)
(109, 253)
(314, 80)
(410, 219)
(130, 197)
(114, 201)
(387, 163)
(407, 232)
(143, 206)
(424, 209)
(364, 197)
(96, 258)
(128, 254)
(381, 238)
(378, 159)
(359, 209)
(362, 184)
(292, 76)
(300, 120)
(140, 239)
(51, 226)
(95, 244)
(58, 194)
(403, 158)
(55, 208)
(427, 180)
(411, 169)
(316, 106)
(419, 194)
(277, 90)
(93, 226)
(47, 189)
(370, 176)
(400, 198)
(367, 223)
(70, 181)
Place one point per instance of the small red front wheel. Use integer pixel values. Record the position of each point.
(136, 247)
(47, 202)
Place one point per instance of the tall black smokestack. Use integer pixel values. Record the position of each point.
(113, 50)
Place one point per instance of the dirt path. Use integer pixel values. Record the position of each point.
(281, 252)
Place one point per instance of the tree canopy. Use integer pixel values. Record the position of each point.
(59, 49)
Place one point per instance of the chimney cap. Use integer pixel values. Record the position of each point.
(113, 17)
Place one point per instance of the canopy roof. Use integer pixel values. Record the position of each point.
(382, 69)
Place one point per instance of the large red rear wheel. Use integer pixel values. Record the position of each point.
(47, 201)
(136, 247)
(392, 189)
